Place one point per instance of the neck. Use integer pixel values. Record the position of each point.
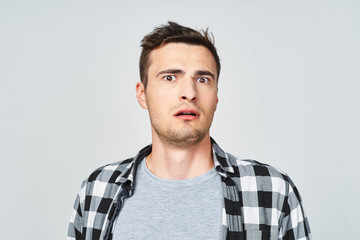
(169, 162)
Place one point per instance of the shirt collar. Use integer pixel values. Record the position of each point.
(222, 163)
(222, 160)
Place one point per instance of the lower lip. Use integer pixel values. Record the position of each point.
(187, 117)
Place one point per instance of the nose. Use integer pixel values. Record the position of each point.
(188, 91)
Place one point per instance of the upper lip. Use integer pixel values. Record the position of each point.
(187, 111)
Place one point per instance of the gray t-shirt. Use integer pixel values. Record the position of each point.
(172, 209)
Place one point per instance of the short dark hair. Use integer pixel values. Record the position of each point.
(173, 32)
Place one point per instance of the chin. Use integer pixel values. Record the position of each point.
(183, 139)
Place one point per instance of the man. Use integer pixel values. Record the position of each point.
(184, 186)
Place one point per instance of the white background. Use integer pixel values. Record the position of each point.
(288, 96)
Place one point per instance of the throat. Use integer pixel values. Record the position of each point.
(177, 165)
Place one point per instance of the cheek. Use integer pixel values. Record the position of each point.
(212, 101)
(151, 99)
(157, 106)
(160, 95)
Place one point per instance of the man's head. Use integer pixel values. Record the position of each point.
(174, 32)
(179, 85)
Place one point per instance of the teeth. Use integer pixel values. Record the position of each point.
(187, 113)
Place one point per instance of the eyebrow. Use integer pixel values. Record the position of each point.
(204, 73)
(181, 72)
(171, 71)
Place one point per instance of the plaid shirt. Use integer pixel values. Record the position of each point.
(260, 202)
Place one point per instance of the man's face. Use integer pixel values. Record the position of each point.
(181, 94)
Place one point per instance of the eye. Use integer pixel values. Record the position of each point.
(202, 80)
(169, 78)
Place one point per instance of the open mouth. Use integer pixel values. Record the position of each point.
(186, 113)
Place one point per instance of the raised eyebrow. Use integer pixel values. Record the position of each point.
(171, 71)
(204, 73)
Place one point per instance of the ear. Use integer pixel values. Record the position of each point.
(217, 101)
(140, 95)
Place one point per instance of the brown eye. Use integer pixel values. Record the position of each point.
(169, 78)
(202, 80)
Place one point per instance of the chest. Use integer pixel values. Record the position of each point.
(162, 211)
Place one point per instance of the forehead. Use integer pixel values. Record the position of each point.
(182, 55)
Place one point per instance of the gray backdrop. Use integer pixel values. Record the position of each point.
(288, 96)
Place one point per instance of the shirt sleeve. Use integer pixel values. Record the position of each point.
(76, 223)
(294, 224)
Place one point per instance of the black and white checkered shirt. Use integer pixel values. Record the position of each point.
(260, 202)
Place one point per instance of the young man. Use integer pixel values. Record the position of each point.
(184, 186)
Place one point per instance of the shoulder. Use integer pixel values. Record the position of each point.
(108, 177)
(255, 168)
(252, 175)
(239, 168)
(110, 172)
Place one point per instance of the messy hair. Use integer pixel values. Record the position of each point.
(173, 32)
